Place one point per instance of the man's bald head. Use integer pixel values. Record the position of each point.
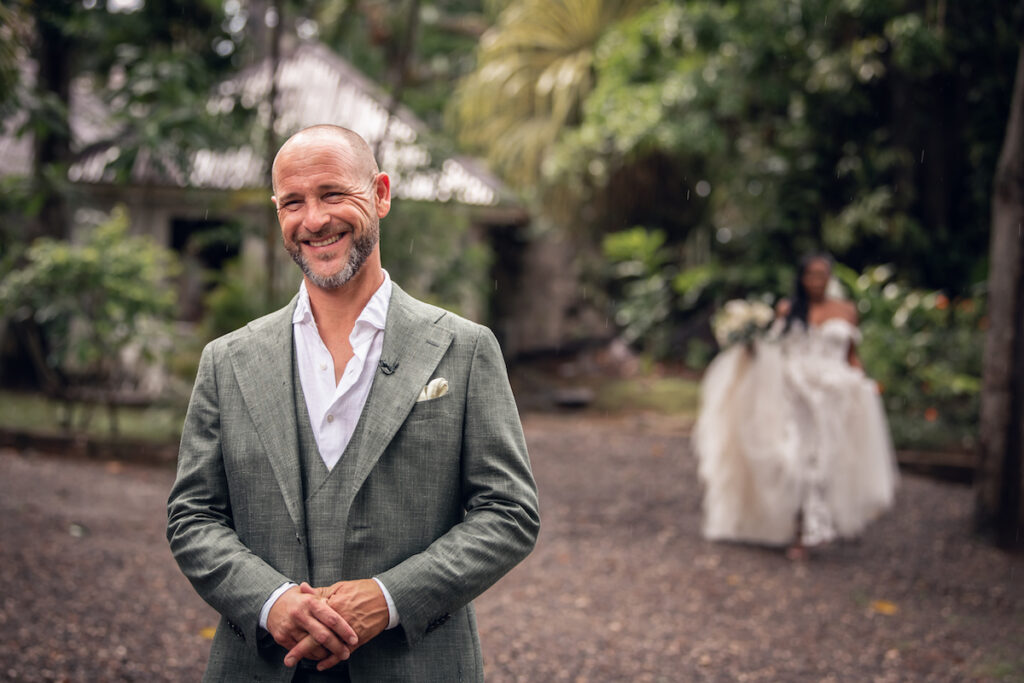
(344, 141)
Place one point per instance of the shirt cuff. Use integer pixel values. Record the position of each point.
(393, 619)
(265, 612)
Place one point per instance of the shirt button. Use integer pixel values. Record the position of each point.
(323, 366)
(330, 418)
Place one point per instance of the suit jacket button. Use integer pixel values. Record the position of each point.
(438, 622)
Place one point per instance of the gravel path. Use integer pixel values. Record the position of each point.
(620, 588)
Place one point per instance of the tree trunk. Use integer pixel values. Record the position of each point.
(52, 142)
(1000, 509)
(399, 71)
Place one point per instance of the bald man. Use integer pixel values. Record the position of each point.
(352, 470)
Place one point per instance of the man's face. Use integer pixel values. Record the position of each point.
(329, 207)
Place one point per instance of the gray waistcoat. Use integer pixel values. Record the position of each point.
(325, 494)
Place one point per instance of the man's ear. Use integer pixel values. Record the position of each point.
(382, 191)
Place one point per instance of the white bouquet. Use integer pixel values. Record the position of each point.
(740, 320)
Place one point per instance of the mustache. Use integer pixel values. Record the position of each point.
(306, 236)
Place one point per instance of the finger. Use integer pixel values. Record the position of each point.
(325, 664)
(317, 653)
(332, 620)
(322, 635)
(322, 593)
(308, 648)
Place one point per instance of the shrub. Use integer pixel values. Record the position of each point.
(96, 314)
(925, 350)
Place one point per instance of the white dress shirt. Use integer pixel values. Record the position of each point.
(334, 408)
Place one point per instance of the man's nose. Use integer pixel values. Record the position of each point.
(316, 216)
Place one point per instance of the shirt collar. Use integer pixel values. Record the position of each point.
(375, 313)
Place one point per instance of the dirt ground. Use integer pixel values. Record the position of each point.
(621, 586)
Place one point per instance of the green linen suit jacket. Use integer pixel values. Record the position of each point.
(442, 504)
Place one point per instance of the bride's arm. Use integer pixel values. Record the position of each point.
(851, 356)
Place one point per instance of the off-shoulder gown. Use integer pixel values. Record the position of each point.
(788, 427)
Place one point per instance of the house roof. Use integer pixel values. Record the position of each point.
(314, 86)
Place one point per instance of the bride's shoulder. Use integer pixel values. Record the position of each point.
(845, 310)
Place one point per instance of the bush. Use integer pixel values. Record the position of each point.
(97, 314)
(641, 280)
(239, 295)
(662, 308)
(925, 350)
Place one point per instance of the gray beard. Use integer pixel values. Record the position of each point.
(361, 249)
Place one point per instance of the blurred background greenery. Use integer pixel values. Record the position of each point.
(688, 152)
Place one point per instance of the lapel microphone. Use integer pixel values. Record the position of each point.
(386, 367)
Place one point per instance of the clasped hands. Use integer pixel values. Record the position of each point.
(327, 624)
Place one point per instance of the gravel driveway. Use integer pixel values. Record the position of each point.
(620, 588)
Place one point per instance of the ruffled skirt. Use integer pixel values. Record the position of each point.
(779, 439)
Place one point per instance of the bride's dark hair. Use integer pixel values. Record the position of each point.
(799, 305)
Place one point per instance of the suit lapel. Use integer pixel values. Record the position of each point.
(413, 346)
(263, 368)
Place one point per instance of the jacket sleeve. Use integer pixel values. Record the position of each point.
(200, 528)
(499, 496)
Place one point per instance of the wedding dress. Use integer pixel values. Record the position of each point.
(788, 427)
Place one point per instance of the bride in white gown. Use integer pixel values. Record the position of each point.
(792, 439)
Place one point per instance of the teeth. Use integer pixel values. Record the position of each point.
(325, 242)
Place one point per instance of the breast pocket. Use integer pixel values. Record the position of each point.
(433, 409)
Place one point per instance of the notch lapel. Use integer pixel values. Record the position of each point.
(413, 347)
(262, 362)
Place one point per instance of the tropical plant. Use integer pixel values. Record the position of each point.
(771, 129)
(534, 71)
(641, 287)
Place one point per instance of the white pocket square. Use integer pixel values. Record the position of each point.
(436, 388)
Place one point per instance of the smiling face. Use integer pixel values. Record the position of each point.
(330, 199)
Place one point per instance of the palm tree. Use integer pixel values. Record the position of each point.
(534, 71)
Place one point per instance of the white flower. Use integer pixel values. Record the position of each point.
(762, 313)
(740, 320)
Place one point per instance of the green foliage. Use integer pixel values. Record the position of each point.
(534, 71)
(651, 296)
(154, 67)
(9, 75)
(781, 128)
(93, 300)
(641, 279)
(925, 350)
(372, 37)
(157, 423)
(239, 296)
(433, 252)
